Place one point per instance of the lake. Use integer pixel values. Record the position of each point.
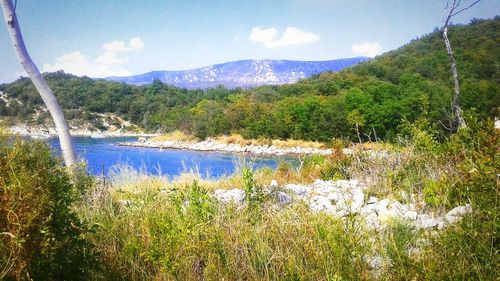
(102, 154)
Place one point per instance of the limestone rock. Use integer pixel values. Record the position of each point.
(274, 184)
(284, 198)
(457, 213)
(298, 189)
(234, 195)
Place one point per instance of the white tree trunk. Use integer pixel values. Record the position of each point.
(47, 96)
(458, 121)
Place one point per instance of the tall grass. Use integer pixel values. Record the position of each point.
(41, 235)
(185, 234)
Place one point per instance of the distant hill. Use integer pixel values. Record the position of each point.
(243, 73)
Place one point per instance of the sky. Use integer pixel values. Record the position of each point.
(101, 38)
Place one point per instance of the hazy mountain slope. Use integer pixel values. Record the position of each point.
(244, 73)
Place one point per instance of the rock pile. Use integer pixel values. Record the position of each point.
(212, 145)
(347, 197)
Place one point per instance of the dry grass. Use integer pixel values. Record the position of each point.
(175, 136)
(125, 179)
(238, 139)
(298, 143)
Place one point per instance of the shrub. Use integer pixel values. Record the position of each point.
(254, 194)
(41, 236)
(337, 167)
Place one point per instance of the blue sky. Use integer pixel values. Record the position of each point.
(124, 37)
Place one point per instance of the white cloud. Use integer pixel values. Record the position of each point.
(292, 36)
(115, 46)
(109, 58)
(259, 34)
(78, 64)
(136, 43)
(370, 49)
(106, 64)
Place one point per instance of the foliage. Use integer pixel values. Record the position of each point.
(174, 232)
(41, 235)
(377, 97)
(254, 194)
(186, 235)
(153, 229)
(469, 250)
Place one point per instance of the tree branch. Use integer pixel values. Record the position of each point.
(454, 14)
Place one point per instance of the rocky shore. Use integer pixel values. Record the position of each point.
(40, 132)
(344, 198)
(212, 145)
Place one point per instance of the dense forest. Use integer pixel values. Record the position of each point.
(410, 84)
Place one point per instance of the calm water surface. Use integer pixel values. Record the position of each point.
(103, 155)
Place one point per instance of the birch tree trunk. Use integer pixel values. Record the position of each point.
(47, 96)
(454, 8)
(458, 121)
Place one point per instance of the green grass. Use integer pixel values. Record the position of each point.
(161, 237)
(41, 234)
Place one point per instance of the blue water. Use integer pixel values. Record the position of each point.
(103, 155)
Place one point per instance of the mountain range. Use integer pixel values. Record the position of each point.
(243, 73)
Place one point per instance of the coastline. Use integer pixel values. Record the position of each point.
(40, 132)
(212, 145)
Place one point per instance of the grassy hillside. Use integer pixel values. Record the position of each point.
(412, 83)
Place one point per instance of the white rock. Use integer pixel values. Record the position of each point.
(457, 213)
(441, 221)
(409, 215)
(425, 221)
(347, 184)
(372, 200)
(399, 208)
(390, 209)
(284, 198)
(125, 203)
(321, 183)
(324, 187)
(335, 196)
(375, 262)
(273, 184)
(347, 151)
(235, 195)
(298, 189)
(372, 220)
(357, 201)
(381, 206)
(368, 210)
(321, 203)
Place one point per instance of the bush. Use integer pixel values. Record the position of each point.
(41, 237)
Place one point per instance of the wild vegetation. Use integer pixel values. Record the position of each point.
(56, 225)
(374, 99)
(141, 227)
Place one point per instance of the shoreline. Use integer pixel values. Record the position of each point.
(211, 145)
(42, 132)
